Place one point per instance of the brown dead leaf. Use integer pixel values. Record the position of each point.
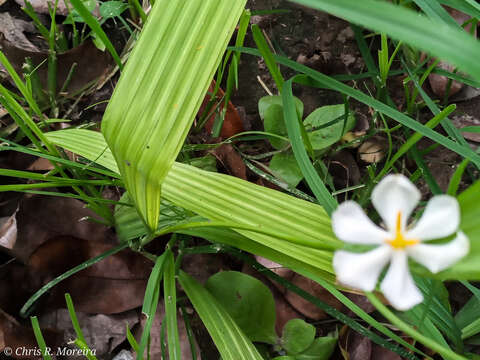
(278, 269)
(231, 160)
(305, 307)
(40, 218)
(8, 231)
(41, 6)
(354, 346)
(232, 123)
(373, 150)
(91, 63)
(380, 353)
(103, 333)
(13, 30)
(113, 285)
(21, 338)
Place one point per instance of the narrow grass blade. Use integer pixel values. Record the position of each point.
(170, 297)
(447, 42)
(80, 341)
(161, 90)
(227, 336)
(93, 23)
(39, 337)
(308, 170)
(435, 11)
(267, 56)
(150, 302)
(322, 81)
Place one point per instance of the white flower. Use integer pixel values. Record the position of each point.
(395, 197)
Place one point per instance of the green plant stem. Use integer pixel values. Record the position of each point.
(397, 322)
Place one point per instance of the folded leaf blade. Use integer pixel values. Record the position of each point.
(160, 91)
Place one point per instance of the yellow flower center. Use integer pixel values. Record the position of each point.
(400, 242)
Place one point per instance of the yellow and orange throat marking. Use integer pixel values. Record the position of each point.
(400, 242)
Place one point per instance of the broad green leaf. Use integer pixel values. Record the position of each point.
(248, 301)
(321, 349)
(111, 9)
(284, 165)
(297, 336)
(320, 80)
(161, 90)
(447, 42)
(326, 125)
(273, 123)
(468, 313)
(467, 268)
(265, 102)
(231, 342)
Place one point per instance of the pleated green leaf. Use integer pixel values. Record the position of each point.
(231, 342)
(210, 195)
(225, 198)
(161, 89)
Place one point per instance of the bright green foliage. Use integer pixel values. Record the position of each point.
(161, 89)
(297, 336)
(230, 340)
(468, 268)
(286, 168)
(265, 102)
(273, 123)
(230, 199)
(326, 125)
(248, 301)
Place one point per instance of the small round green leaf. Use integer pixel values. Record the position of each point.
(274, 123)
(265, 102)
(111, 9)
(248, 301)
(321, 349)
(297, 336)
(284, 165)
(326, 125)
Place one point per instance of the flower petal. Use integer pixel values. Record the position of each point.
(394, 194)
(440, 219)
(439, 257)
(361, 270)
(351, 225)
(398, 285)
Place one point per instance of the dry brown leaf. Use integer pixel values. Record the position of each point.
(8, 231)
(103, 333)
(43, 217)
(113, 285)
(231, 160)
(20, 339)
(232, 123)
(91, 63)
(305, 307)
